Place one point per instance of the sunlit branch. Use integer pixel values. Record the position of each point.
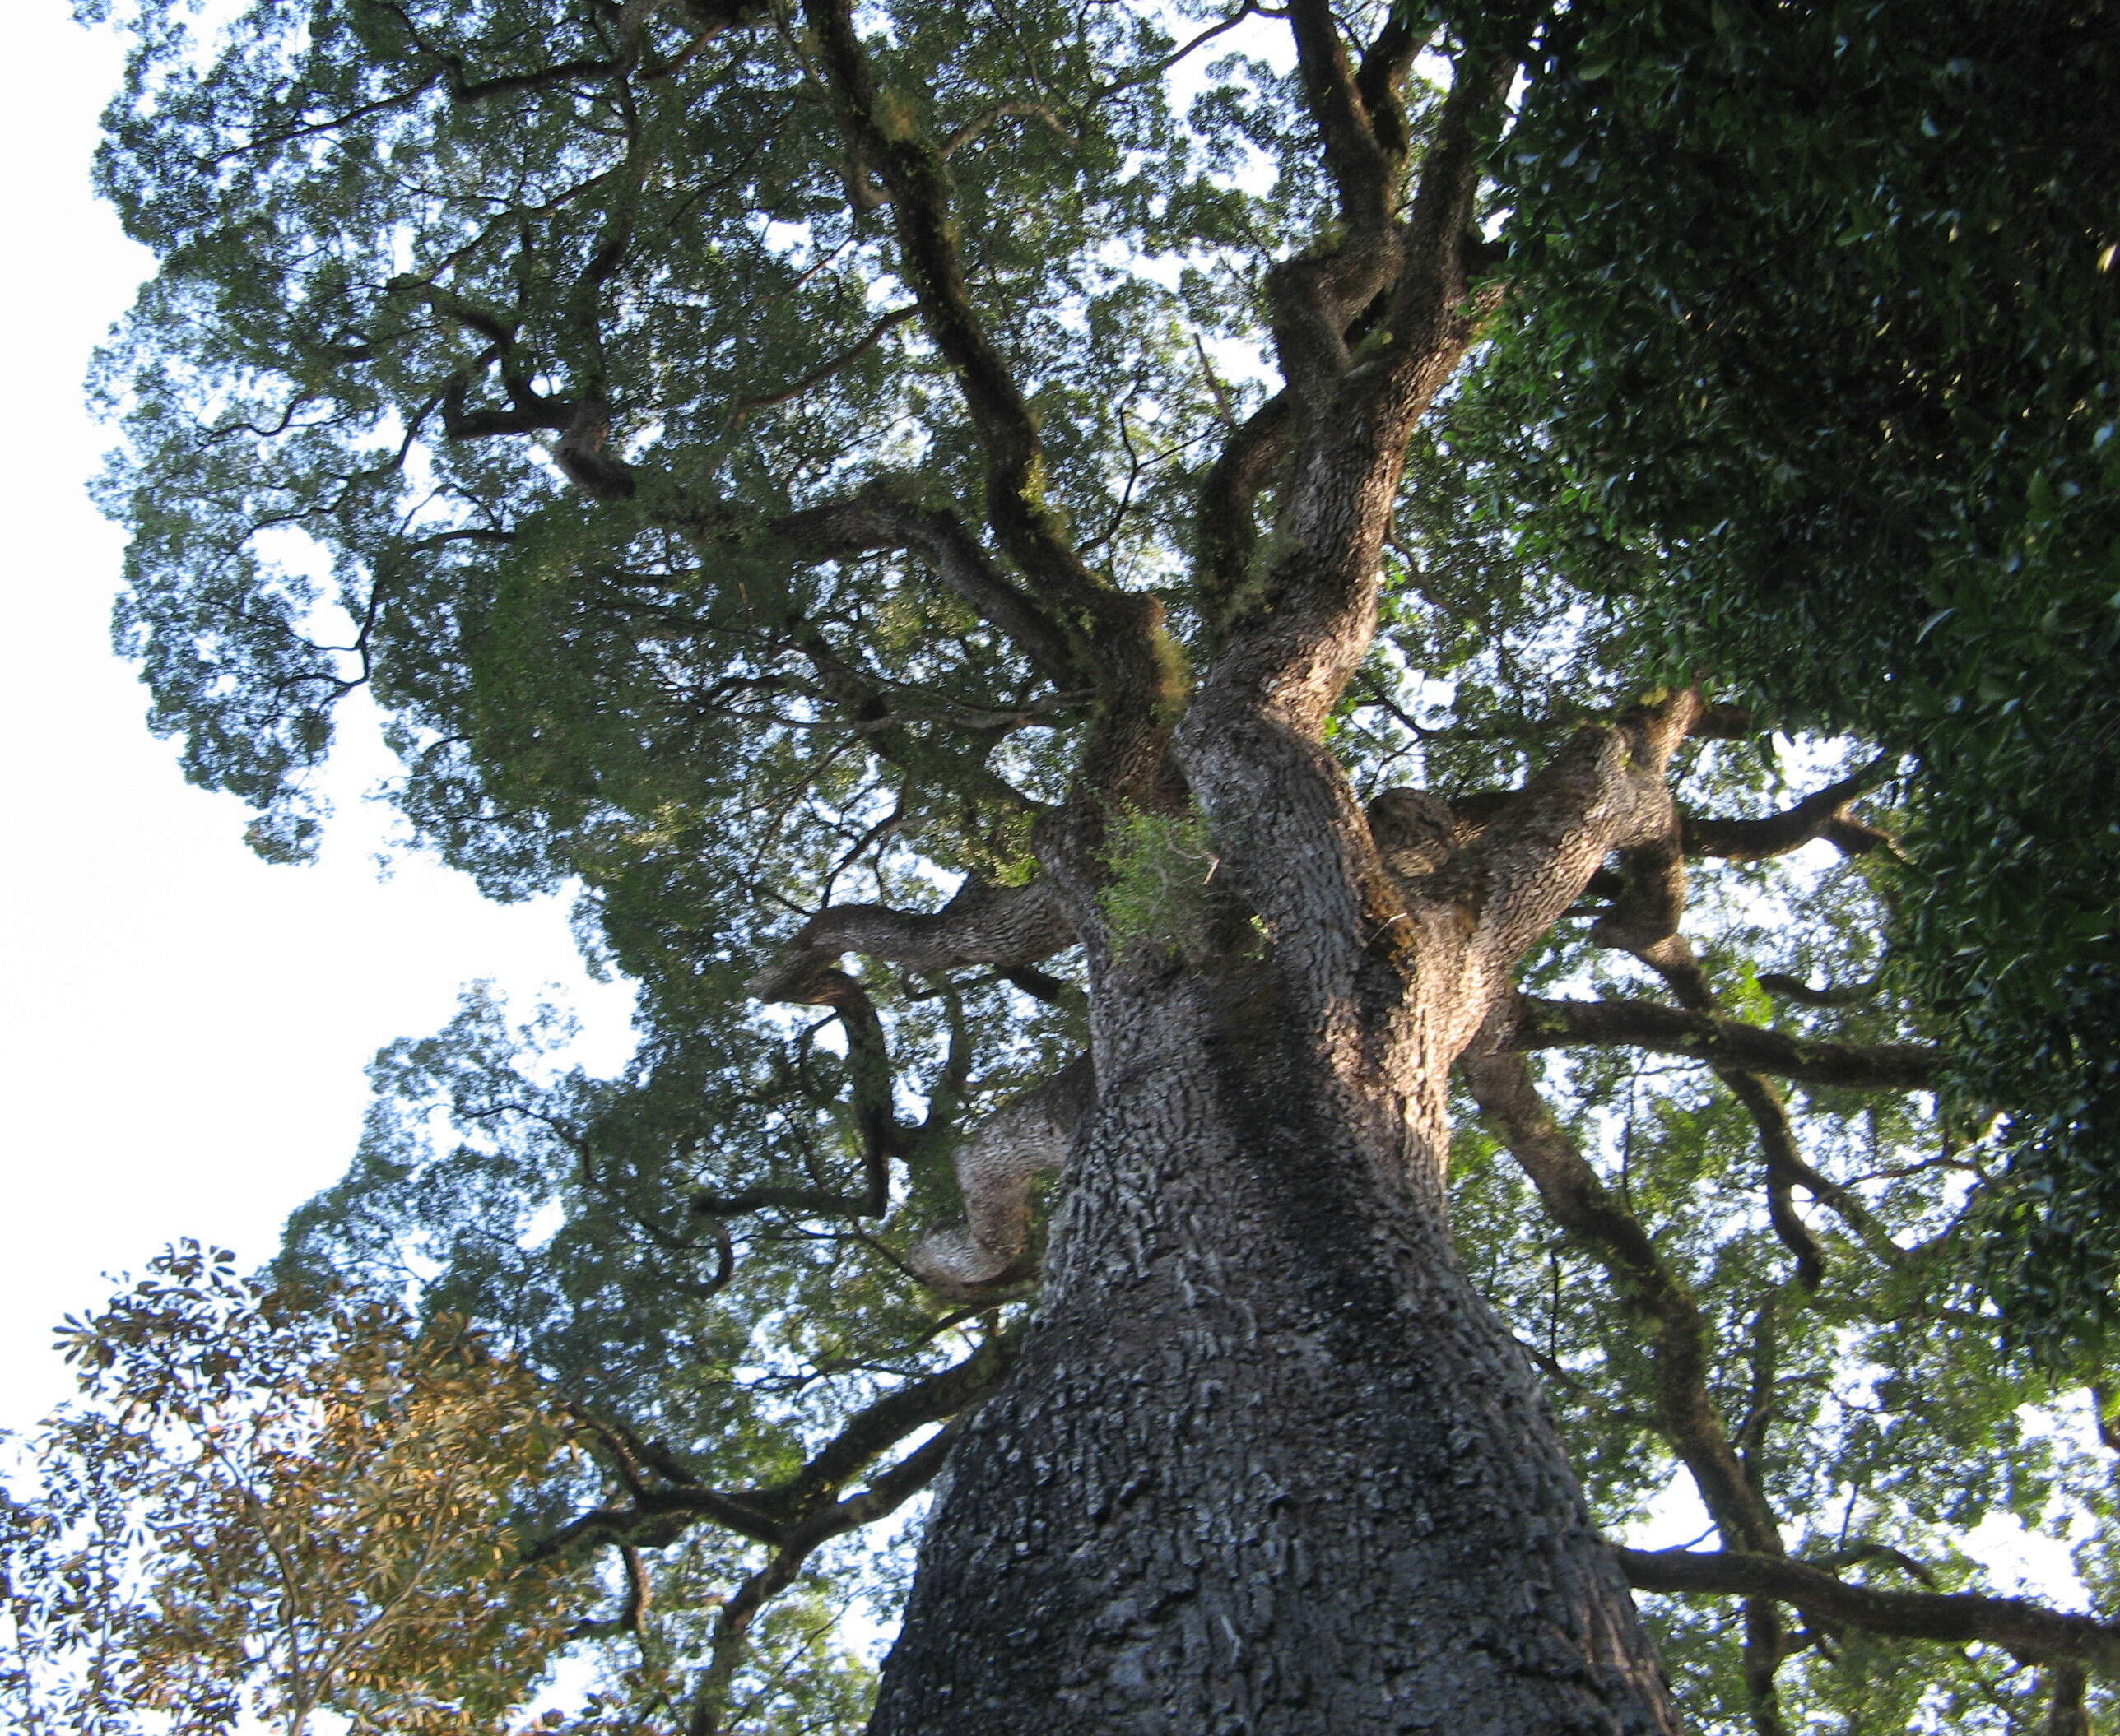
(996, 1166)
(1604, 791)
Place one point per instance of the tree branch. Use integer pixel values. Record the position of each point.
(889, 1492)
(2066, 1714)
(1722, 1043)
(1604, 791)
(2029, 1630)
(785, 1513)
(1795, 988)
(1777, 834)
(1643, 921)
(1225, 525)
(913, 169)
(1365, 172)
(877, 1427)
(825, 370)
(886, 514)
(1578, 1201)
(1007, 926)
(874, 1113)
(996, 1167)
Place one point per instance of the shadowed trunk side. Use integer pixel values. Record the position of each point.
(1269, 1464)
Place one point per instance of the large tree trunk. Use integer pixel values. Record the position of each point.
(1269, 1464)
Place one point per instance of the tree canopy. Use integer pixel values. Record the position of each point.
(1250, 562)
(280, 1505)
(1820, 308)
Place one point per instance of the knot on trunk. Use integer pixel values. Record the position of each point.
(1417, 833)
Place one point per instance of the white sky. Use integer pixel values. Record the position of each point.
(185, 1027)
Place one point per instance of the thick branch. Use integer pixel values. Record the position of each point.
(1364, 169)
(884, 1496)
(580, 452)
(1787, 1170)
(883, 135)
(1119, 637)
(2029, 1630)
(874, 1430)
(1291, 837)
(884, 514)
(1226, 522)
(875, 1113)
(2066, 1714)
(1723, 1043)
(1579, 1200)
(1007, 926)
(1816, 816)
(582, 425)
(1381, 76)
(1795, 988)
(1440, 221)
(1604, 791)
(997, 1167)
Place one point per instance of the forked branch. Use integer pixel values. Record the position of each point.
(887, 515)
(1605, 791)
(1602, 1225)
(913, 170)
(656, 1514)
(873, 1102)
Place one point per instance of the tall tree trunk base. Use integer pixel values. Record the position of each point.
(1269, 1465)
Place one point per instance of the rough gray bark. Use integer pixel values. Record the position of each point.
(1269, 1464)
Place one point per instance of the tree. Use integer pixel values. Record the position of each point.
(1900, 458)
(277, 1508)
(991, 500)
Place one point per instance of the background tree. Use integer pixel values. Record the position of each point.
(279, 1512)
(967, 496)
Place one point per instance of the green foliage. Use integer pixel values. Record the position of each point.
(270, 1505)
(1815, 368)
(1161, 866)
